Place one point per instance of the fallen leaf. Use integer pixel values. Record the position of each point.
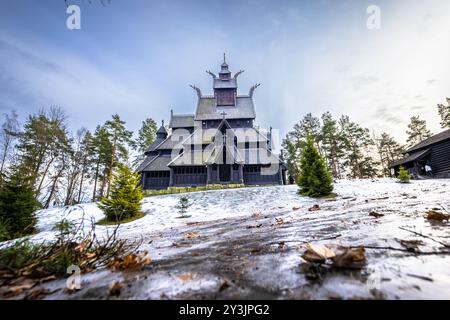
(186, 277)
(296, 208)
(223, 286)
(20, 285)
(131, 262)
(38, 294)
(115, 288)
(279, 221)
(195, 254)
(437, 216)
(315, 207)
(317, 253)
(376, 214)
(191, 235)
(352, 258)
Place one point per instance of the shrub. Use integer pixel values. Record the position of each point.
(126, 195)
(314, 179)
(17, 206)
(183, 205)
(403, 175)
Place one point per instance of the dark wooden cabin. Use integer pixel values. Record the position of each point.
(434, 151)
(219, 144)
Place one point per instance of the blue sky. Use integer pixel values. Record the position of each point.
(138, 57)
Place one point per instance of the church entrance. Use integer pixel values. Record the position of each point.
(225, 172)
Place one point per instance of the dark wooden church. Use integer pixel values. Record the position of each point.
(434, 152)
(219, 144)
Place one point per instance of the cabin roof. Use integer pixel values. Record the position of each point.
(412, 157)
(444, 135)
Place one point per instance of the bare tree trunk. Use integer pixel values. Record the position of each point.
(81, 181)
(52, 190)
(95, 180)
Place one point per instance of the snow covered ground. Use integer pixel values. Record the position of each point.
(250, 242)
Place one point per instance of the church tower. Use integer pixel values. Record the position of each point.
(225, 86)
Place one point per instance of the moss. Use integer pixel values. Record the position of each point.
(105, 222)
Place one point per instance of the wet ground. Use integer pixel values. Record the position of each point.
(250, 245)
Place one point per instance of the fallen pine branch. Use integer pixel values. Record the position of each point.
(425, 236)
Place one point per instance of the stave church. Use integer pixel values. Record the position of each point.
(218, 144)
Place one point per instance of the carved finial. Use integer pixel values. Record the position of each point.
(224, 60)
(252, 89)
(212, 74)
(238, 73)
(171, 113)
(199, 92)
(162, 122)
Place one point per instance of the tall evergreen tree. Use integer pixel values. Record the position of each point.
(125, 198)
(146, 136)
(102, 150)
(43, 146)
(120, 139)
(417, 131)
(331, 143)
(314, 179)
(357, 144)
(389, 151)
(444, 113)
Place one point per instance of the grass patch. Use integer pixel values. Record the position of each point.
(175, 190)
(106, 222)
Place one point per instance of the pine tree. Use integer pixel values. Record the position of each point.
(146, 136)
(417, 131)
(403, 175)
(389, 151)
(331, 144)
(101, 150)
(120, 138)
(444, 113)
(125, 198)
(295, 141)
(183, 205)
(314, 179)
(17, 206)
(357, 145)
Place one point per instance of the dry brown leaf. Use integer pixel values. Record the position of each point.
(437, 216)
(317, 253)
(315, 207)
(131, 262)
(352, 258)
(115, 288)
(191, 235)
(279, 221)
(223, 286)
(295, 208)
(20, 285)
(185, 277)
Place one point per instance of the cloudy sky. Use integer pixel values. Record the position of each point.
(138, 57)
